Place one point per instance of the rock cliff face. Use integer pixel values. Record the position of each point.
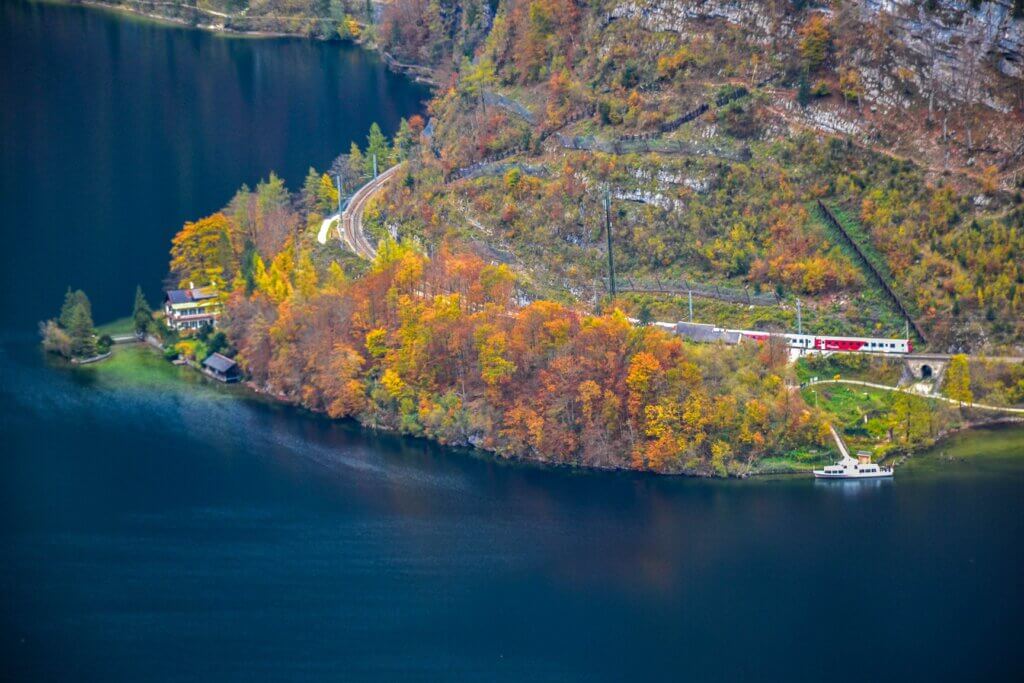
(957, 33)
(948, 50)
(666, 15)
(960, 52)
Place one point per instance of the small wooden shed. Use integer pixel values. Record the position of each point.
(222, 368)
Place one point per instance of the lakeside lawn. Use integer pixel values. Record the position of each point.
(140, 365)
(796, 461)
(875, 369)
(121, 326)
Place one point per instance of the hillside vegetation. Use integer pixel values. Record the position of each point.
(713, 140)
(451, 347)
(705, 133)
(439, 347)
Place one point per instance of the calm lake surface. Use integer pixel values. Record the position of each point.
(116, 130)
(156, 527)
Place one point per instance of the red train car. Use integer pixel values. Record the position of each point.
(834, 343)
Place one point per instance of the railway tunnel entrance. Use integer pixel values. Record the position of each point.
(930, 369)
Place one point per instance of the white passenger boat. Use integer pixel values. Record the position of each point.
(860, 467)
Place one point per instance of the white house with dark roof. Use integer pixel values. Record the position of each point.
(189, 309)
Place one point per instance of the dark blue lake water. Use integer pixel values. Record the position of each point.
(115, 131)
(156, 528)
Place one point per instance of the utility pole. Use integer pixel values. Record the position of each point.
(338, 179)
(689, 294)
(608, 235)
(375, 165)
(906, 328)
(799, 318)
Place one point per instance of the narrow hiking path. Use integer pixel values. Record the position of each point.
(885, 387)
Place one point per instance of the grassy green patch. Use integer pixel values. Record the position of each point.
(850, 366)
(836, 237)
(140, 365)
(795, 461)
(853, 227)
(859, 413)
(125, 325)
(849, 404)
(859, 234)
(802, 460)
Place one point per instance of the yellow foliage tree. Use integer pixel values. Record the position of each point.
(327, 191)
(277, 284)
(958, 380)
(393, 383)
(491, 345)
(815, 39)
(305, 277)
(376, 342)
(201, 252)
(643, 367)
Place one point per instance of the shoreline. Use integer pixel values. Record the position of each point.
(252, 391)
(946, 434)
(752, 470)
(898, 458)
(416, 72)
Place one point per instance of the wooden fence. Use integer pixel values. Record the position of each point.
(683, 286)
(852, 243)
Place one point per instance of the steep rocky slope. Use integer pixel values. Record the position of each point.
(717, 126)
(960, 62)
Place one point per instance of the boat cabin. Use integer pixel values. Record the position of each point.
(854, 468)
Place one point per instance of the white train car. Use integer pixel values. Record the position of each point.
(811, 342)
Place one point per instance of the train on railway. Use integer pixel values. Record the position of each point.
(817, 342)
(803, 342)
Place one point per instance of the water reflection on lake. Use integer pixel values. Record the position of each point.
(178, 528)
(156, 526)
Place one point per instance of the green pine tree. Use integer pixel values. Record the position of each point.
(73, 299)
(311, 191)
(82, 331)
(376, 145)
(343, 31)
(803, 94)
(404, 141)
(142, 314)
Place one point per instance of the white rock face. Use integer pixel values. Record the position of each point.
(952, 48)
(670, 15)
(956, 33)
(948, 50)
(828, 119)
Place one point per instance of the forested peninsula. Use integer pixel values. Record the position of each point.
(758, 153)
